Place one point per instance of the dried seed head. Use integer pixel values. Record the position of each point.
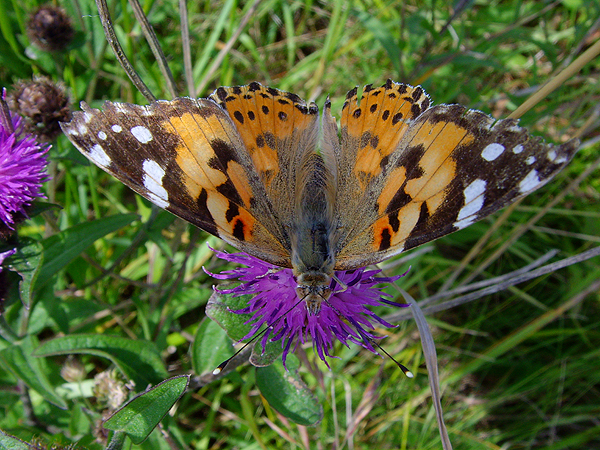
(50, 29)
(43, 104)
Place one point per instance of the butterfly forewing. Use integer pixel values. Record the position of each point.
(452, 167)
(185, 156)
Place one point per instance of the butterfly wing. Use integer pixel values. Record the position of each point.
(188, 157)
(434, 171)
(279, 131)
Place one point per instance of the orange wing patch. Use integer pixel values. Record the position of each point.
(421, 182)
(210, 172)
(439, 140)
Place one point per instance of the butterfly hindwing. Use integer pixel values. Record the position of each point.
(280, 131)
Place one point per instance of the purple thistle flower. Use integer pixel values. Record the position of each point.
(22, 167)
(344, 316)
(4, 255)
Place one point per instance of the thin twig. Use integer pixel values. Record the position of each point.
(111, 37)
(592, 253)
(431, 362)
(187, 48)
(154, 46)
(558, 80)
(492, 281)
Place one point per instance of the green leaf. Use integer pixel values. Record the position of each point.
(18, 358)
(139, 416)
(211, 347)
(286, 392)
(139, 360)
(8, 442)
(38, 207)
(382, 34)
(220, 308)
(64, 247)
(266, 357)
(27, 262)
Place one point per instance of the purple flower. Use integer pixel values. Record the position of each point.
(6, 254)
(22, 167)
(344, 316)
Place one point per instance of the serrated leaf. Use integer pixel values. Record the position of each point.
(62, 248)
(27, 262)
(8, 442)
(19, 359)
(211, 347)
(142, 414)
(139, 360)
(286, 392)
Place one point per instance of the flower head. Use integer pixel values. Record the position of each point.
(22, 168)
(43, 104)
(345, 316)
(50, 28)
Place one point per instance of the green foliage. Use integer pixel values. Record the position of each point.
(110, 282)
(143, 413)
(286, 392)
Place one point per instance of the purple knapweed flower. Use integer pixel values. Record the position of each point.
(344, 316)
(6, 254)
(22, 167)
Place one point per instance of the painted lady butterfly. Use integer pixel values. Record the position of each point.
(256, 167)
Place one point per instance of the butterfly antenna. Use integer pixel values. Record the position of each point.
(221, 366)
(372, 341)
(402, 367)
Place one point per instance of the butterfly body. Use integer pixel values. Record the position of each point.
(313, 236)
(261, 169)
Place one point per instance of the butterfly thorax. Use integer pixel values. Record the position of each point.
(313, 236)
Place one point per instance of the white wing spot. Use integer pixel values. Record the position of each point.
(153, 176)
(81, 128)
(492, 151)
(142, 134)
(518, 149)
(99, 156)
(122, 108)
(102, 135)
(530, 182)
(561, 159)
(473, 203)
(530, 160)
(117, 128)
(552, 155)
